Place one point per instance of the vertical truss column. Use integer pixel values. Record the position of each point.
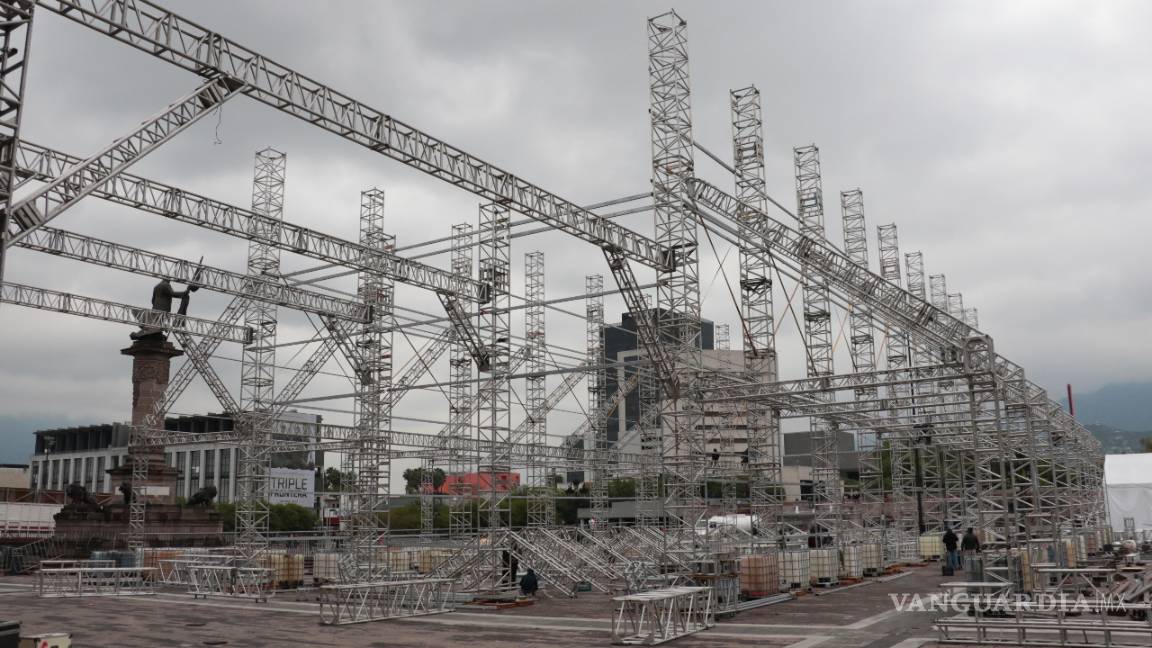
(862, 346)
(827, 492)
(492, 409)
(258, 364)
(901, 545)
(943, 474)
(372, 461)
(15, 37)
(597, 440)
(460, 515)
(992, 492)
(541, 494)
(763, 424)
(678, 285)
(723, 338)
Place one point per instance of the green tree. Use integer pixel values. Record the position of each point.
(337, 480)
(291, 517)
(227, 512)
(1146, 444)
(622, 488)
(413, 476)
(281, 517)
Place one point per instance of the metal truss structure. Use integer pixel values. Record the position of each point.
(659, 616)
(541, 509)
(948, 431)
(759, 323)
(827, 489)
(379, 601)
(68, 582)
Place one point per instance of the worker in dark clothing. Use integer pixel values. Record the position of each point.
(970, 541)
(950, 543)
(715, 455)
(529, 584)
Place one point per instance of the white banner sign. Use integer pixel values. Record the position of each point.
(292, 486)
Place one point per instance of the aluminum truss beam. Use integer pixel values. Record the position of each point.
(109, 311)
(181, 42)
(89, 249)
(188, 207)
(81, 179)
(888, 301)
(15, 37)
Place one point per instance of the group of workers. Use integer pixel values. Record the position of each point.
(968, 544)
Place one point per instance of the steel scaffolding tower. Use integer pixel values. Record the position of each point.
(723, 338)
(902, 545)
(827, 492)
(678, 282)
(763, 424)
(460, 516)
(371, 461)
(257, 378)
(863, 352)
(596, 440)
(493, 407)
(541, 493)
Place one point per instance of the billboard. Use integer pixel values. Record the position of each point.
(292, 486)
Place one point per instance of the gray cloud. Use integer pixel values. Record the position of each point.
(1008, 141)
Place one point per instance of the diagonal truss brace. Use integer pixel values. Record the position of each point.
(466, 333)
(200, 361)
(65, 190)
(646, 330)
(184, 375)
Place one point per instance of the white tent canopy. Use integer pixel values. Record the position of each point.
(1128, 480)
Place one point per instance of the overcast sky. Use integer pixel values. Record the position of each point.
(1007, 140)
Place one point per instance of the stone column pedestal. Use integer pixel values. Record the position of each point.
(151, 361)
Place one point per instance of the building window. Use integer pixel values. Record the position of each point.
(194, 470)
(225, 485)
(55, 477)
(209, 467)
(87, 483)
(99, 475)
(65, 477)
(181, 488)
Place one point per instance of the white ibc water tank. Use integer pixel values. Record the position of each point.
(825, 565)
(931, 546)
(795, 569)
(872, 558)
(852, 561)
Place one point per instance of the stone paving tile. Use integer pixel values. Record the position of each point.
(171, 621)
